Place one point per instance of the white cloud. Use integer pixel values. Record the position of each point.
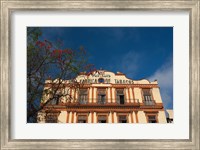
(164, 75)
(129, 63)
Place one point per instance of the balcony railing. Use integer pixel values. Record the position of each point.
(83, 101)
(104, 102)
(108, 101)
(125, 101)
(149, 102)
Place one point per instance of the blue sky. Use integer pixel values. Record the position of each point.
(138, 52)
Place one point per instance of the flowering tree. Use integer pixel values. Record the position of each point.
(46, 60)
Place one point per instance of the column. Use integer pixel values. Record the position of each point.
(131, 95)
(92, 117)
(72, 118)
(129, 118)
(95, 117)
(95, 95)
(115, 117)
(111, 95)
(90, 95)
(110, 117)
(108, 92)
(132, 119)
(75, 117)
(114, 95)
(126, 95)
(136, 117)
(67, 117)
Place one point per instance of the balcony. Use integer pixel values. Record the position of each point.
(109, 101)
(101, 101)
(82, 101)
(124, 102)
(149, 102)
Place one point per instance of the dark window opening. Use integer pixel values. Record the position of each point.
(102, 119)
(102, 99)
(152, 119)
(122, 119)
(120, 96)
(82, 119)
(101, 80)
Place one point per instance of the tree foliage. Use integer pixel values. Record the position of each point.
(49, 60)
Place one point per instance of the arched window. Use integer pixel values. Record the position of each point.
(101, 80)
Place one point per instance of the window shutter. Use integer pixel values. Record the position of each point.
(99, 97)
(118, 99)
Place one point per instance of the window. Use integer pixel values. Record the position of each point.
(122, 119)
(147, 94)
(147, 97)
(55, 98)
(83, 96)
(120, 96)
(54, 101)
(82, 119)
(102, 119)
(101, 96)
(101, 80)
(51, 118)
(152, 119)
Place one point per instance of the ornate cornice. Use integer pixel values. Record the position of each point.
(105, 107)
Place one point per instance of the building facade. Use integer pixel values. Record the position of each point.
(105, 97)
(169, 115)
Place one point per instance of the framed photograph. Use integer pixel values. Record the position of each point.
(141, 78)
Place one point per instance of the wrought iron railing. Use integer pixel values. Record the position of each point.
(149, 102)
(101, 101)
(107, 101)
(83, 101)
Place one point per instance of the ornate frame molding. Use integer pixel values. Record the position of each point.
(8, 7)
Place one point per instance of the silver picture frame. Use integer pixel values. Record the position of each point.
(8, 7)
